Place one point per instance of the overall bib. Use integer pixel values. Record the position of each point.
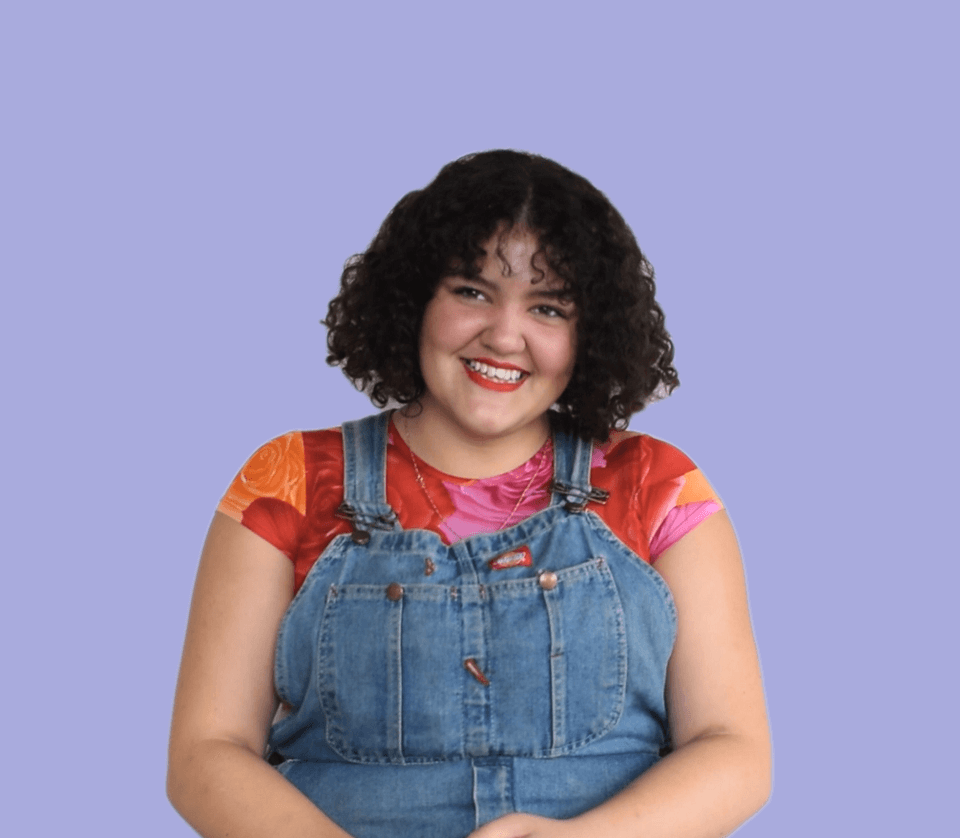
(436, 687)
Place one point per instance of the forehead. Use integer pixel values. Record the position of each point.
(517, 253)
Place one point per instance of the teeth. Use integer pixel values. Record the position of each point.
(495, 373)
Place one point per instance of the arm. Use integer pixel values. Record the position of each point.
(720, 771)
(217, 777)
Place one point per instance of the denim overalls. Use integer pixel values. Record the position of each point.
(435, 688)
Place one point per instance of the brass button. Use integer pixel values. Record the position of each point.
(394, 591)
(361, 537)
(547, 580)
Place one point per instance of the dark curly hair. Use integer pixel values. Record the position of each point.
(624, 353)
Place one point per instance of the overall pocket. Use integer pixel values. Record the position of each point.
(394, 687)
(389, 673)
(558, 660)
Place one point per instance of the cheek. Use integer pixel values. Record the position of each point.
(448, 328)
(431, 327)
(566, 354)
(440, 333)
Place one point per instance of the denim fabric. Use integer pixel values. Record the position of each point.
(433, 692)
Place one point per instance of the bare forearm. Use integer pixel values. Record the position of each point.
(704, 790)
(221, 789)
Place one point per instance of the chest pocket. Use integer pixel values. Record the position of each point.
(419, 673)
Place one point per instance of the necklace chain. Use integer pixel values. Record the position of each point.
(503, 523)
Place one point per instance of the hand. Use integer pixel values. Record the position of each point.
(519, 825)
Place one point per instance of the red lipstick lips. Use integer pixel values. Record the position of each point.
(489, 383)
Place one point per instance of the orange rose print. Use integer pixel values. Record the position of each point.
(276, 471)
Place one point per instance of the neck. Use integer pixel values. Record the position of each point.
(459, 454)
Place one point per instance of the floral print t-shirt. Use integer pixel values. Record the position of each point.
(288, 493)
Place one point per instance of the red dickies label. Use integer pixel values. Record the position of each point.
(520, 557)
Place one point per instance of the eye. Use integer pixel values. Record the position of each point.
(553, 311)
(468, 292)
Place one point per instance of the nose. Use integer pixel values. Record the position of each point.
(503, 333)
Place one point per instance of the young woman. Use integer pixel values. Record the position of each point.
(489, 612)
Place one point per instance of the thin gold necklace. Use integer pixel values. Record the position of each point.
(516, 506)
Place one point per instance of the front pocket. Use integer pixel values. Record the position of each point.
(387, 673)
(558, 662)
(394, 687)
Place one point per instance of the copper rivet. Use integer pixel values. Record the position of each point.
(428, 567)
(394, 591)
(547, 580)
(360, 537)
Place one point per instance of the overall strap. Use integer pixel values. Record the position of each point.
(365, 476)
(571, 473)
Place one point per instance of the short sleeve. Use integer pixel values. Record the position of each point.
(688, 501)
(657, 493)
(269, 494)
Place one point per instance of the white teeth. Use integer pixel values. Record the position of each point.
(495, 373)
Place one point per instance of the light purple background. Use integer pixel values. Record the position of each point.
(181, 184)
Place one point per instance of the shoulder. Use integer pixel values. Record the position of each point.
(657, 493)
(279, 469)
(643, 455)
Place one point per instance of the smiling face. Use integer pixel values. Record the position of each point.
(496, 352)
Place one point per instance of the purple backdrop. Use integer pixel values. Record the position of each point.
(181, 183)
